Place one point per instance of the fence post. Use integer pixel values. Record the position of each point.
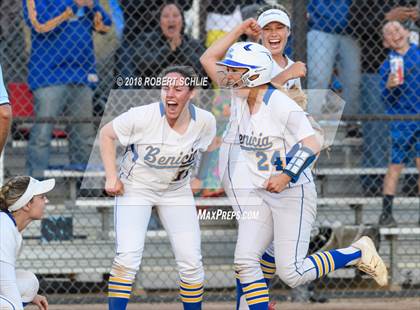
(202, 19)
(299, 31)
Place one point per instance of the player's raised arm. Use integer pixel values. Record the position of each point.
(219, 48)
(296, 70)
(101, 21)
(107, 137)
(43, 19)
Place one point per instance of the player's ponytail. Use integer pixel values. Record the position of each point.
(12, 191)
(3, 191)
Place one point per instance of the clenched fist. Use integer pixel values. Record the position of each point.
(114, 187)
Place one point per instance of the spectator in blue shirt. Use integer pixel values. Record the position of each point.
(402, 97)
(366, 22)
(327, 39)
(62, 73)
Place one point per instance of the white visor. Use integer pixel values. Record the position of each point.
(273, 15)
(34, 188)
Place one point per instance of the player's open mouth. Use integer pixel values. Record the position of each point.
(171, 106)
(171, 28)
(274, 43)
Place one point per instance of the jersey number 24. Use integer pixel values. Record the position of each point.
(263, 165)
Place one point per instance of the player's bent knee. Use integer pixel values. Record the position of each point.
(289, 276)
(189, 263)
(248, 269)
(243, 262)
(130, 260)
(192, 271)
(28, 285)
(126, 265)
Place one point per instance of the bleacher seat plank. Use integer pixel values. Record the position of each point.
(72, 174)
(400, 231)
(224, 201)
(359, 171)
(317, 172)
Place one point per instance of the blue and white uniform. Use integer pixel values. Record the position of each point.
(17, 287)
(268, 140)
(157, 157)
(236, 176)
(155, 171)
(230, 145)
(265, 138)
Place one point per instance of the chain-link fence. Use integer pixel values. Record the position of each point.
(63, 60)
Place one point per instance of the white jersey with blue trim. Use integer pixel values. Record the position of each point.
(10, 239)
(4, 98)
(158, 157)
(270, 137)
(230, 135)
(231, 131)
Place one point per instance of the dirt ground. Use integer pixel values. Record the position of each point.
(336, 304)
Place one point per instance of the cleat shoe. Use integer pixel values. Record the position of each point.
(387, 220)
(370, 262)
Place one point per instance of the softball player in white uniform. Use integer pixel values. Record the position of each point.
(22, 200)
(274, 27)
(163, 140)
(279, 145)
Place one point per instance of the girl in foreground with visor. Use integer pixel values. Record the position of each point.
(22, 200)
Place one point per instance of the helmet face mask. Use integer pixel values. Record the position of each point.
(228, 77)
(253, 57)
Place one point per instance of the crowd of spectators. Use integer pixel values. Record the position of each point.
(345, 47)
